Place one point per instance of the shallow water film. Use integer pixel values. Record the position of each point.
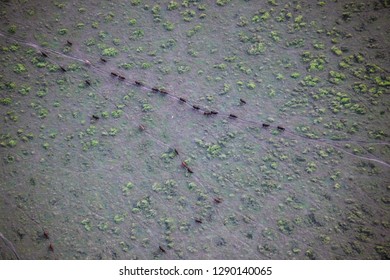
(220, 129)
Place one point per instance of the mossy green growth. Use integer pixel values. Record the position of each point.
(168, 25)
(251, 85)
(118, 219)
(62, 31)
(222, 2)
(5, 101)
(172, 5)
(87, 224)
(110, 52)
(214, 150)
(285, 226)
(116, 114)
(19, 68)
(336, 51)
(316, 64)
(310, 81)
(295, 75)
(336, 77)
(127, 188)
(147, 107)
(12, 29)
(311, 167)
(257, 48)
(384, 82)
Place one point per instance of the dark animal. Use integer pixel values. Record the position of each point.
(162, 249)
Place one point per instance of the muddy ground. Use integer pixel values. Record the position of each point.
(95, 167)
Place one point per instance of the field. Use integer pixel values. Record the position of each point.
(220, 129)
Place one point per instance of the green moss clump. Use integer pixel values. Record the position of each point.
(173, 5)
(87, 224)
(295, 75)
(310, 81)
(19, 68)
(214, 150)
(62, 31)
(336, 77)
(168, 25)
(222, 2)
(257, 48)
(110, 52)
(12, 29)
(382, 82)
(336, 51)
(147, 107)
(251, 85)
(5, 101)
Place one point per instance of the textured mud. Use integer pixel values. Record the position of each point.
(92, 166)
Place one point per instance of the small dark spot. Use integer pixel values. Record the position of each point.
(182, 99)
(280, 128)
(88, 83)
(103, 60)
(121, 78)
(220, 241)
(265, 125)
(195, 107)
(242, 101)
(63, 69)
(95, 117)
(217, 200)
(199, 221)
(137, 83)
(155, 89)
(44, 54)
(233, 116)
(114, 74)
(69, 43)
(214, 112)
(162, 249)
